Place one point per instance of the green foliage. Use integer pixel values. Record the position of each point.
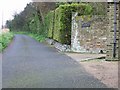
(62, 21)
(37, 37)
(40, 38)
(5, 39)
(57, 26)
(99, 8)
(28, 21)
(49, 22)
(60, 3)
(34, 24)
(83, 9)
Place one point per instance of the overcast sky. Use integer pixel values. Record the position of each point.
(9, 7)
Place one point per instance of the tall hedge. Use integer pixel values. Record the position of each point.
(63, 19)
(49, 23)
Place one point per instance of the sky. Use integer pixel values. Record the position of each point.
(9, 7)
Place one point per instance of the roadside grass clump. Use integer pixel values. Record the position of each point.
(40, 38)
(5, 39)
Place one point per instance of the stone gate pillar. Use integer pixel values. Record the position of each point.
(113, 27)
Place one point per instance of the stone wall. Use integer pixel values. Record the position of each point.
(75, 34)
(111, 27)
(89, 33)
(59, 46)
(99, 35)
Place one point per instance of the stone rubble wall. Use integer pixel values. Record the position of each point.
(59, 46)
(91, 39)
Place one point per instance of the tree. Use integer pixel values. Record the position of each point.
(43, 8)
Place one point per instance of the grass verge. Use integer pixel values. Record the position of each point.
(5, 39)
(38, 37)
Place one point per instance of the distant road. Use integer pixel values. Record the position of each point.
(27, 63)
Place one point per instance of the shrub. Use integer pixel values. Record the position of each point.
(49, 23)
(37, 37)
(5, 40)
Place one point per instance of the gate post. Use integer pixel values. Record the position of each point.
(119, 33)
(113, 28)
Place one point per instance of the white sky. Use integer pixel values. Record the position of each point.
(9, 7)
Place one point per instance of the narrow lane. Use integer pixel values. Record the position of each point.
(27, 63)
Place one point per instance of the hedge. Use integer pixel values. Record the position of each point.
(49, 23)
(63, 19)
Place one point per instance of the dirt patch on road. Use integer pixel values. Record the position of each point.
(106, 72)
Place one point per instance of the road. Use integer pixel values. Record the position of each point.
(27, 63)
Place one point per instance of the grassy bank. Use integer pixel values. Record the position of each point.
(39, 38)
(5, 39)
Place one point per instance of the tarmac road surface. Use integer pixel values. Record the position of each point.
(27, 63)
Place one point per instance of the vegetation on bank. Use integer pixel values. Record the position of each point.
(39, 38)
(5, 39)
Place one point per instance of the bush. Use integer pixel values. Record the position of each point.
(49, 24)
(5, 39)
(37, 37)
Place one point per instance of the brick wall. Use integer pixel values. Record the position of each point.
(111, 27)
